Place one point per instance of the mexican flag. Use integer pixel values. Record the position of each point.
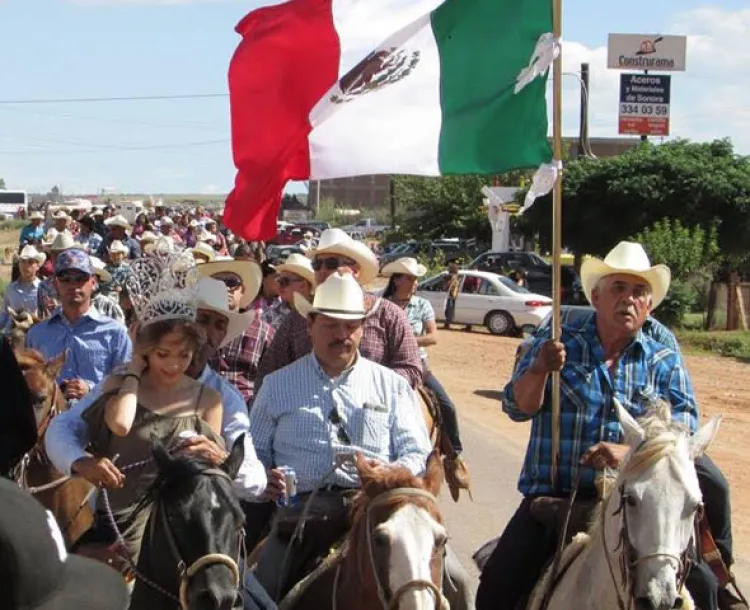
(334, 88)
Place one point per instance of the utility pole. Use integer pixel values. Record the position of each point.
(317, 198)
(392, 190)
(583, 134)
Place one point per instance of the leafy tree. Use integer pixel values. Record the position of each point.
(691, 253)
(2, 183)
(607, 200)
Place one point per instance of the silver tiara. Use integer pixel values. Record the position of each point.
(162, 285)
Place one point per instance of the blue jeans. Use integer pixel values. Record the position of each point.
(450, 309)
(447, 410)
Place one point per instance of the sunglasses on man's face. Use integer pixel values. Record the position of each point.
(230, 281)
(76, 277)
(332, 263)
(284, 281)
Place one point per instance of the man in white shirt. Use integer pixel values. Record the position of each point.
(67, 435)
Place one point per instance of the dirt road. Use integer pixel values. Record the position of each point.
(475, 366)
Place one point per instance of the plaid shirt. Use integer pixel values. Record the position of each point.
(646, 371)
(277, 313)
(387, 339)
(238, 361)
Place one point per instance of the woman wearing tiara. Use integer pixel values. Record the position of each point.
(152, 397)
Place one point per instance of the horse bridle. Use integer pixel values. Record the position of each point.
(392, 603)
(629, 558)
(185, 571)
(39, 444)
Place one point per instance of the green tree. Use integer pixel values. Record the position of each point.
(691, 253)
(2, 183)
(607, 200)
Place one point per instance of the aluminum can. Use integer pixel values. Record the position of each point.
(290, 483)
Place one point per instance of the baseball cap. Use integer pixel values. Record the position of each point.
(76, 260)
(36, 573)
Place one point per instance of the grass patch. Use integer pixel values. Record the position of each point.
(733, 344)
(12, 225)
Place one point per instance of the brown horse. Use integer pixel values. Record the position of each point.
(394, 551)
(64, 497)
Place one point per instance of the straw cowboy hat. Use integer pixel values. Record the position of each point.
(248, 271)
(61, 215)
(99, 270)
(627, 257)
(36, 216)
(212, 295)
(118, 246)
(30, 252)
(405, 266)
(336, 241)
(148, 237)
(340, 296)
(118, 221)
(62, 241)
(300, 265)
(204, 249)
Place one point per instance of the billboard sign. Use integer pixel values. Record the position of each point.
(644, 104)
(647, 52)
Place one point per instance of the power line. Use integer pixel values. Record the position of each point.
(105, 148)
(132, 98)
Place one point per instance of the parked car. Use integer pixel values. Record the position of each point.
(568, 314)
(538, 273)
(487, 299)
(277, 254)
(369, 227)
(430, 250)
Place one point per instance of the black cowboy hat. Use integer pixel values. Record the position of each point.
(36, 573)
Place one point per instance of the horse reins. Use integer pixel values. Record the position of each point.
(440, 602)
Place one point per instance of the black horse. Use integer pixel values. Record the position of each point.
(190, 551)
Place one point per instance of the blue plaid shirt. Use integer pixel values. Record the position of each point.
(94, 344)
(647, 370)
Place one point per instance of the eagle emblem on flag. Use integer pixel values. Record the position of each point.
(379, 69)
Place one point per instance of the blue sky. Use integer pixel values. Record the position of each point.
(111, 48)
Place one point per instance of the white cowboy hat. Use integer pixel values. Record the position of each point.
(340, 296)
(204, 249)
(300, 265)
(99, 270)
(406, 266)
(206, 236)
(148, 236)
(212, 295)
(336, 241)
(36, 216)
(118, 221)
(166, 220)
(248, 271)
(630, 258)
(118, 246)
(307, 234)
(61, 215)
(29, 252)
(97, 213)
(62, 241)
(193, 223)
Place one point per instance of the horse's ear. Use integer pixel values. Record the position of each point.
(236, 456)
(632, 430)
(434, 473)
(55, 365)
(12, 312)
(700, 441)
(161, 455)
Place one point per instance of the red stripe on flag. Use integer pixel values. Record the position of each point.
(288, 58)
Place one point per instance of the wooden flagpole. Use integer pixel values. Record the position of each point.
(557, 146)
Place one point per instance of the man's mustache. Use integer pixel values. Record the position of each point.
(344, 343)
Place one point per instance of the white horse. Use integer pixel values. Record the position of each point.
(637, 547)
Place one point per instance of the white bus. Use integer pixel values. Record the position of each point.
(12, 203)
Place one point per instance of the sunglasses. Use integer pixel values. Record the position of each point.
(231, 281)
(283, 282)
(332, 263)
(75, 277)
(341, 434)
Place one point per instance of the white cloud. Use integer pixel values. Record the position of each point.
(709, 100)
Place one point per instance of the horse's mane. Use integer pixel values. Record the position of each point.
(173, 473)
(661, 433)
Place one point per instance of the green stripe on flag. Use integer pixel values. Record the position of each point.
(483, 45)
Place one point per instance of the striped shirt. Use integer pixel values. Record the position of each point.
(646, 371)
(386, 339)
(291, 422)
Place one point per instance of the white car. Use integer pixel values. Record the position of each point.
(488, 299)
